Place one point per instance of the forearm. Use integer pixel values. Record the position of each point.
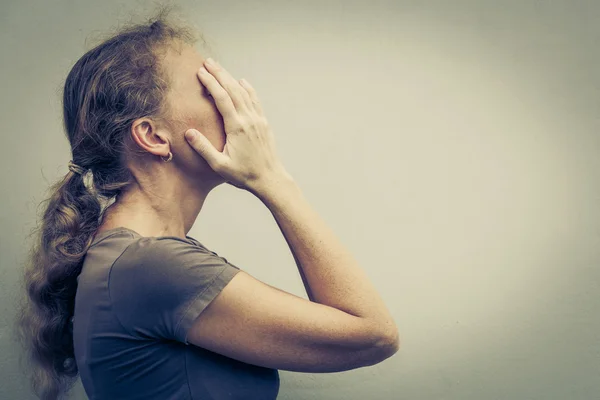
(329, 272)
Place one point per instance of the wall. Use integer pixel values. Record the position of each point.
(453, 146)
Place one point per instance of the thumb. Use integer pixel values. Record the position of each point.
(204, 147)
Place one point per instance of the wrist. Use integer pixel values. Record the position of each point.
(269, 185)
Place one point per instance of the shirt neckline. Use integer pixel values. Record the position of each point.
(104, 234)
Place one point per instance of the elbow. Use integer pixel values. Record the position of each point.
(384, 343)
(390, 338)
(386, 347)
(396, 344)
(392, 344)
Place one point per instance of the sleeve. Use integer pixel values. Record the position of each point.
(158, 286)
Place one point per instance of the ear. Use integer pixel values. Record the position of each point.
(146, 133)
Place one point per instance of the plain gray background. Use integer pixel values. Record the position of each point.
(452, 145)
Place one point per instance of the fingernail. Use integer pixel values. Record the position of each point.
(189, 135)
(203, 70)
(210, 61)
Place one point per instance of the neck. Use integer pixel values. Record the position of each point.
(161, 206)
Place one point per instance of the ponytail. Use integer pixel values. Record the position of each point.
(67, 227)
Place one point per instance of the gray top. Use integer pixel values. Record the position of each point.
(136, 299)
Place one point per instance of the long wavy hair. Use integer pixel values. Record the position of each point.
(108, 88)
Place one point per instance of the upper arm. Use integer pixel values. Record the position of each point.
(158, 286)
(259, 324)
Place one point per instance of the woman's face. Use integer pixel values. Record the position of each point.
(192, 107)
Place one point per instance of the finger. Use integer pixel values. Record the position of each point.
(204, 147)
(252, 95)
(238, 95)
(249, 103)
(222, 99)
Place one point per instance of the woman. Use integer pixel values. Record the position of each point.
(118, 292)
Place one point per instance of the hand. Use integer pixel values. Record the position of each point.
(249, 154)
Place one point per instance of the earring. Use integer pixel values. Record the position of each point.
(169, 158)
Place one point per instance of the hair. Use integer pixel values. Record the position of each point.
(109, 87)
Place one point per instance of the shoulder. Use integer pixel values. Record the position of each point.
(169, 258)
(159, 244)
(160, 250)
(161, 269)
